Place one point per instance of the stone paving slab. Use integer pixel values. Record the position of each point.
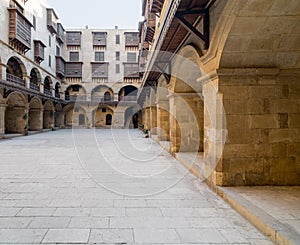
(90, 188)
(273, 210)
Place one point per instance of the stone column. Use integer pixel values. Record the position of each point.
(35, 119)
(175, 137)
(2, 119)
(48, 121)
(27, 81)
(153, 119)
(163, 120)
(59, 119)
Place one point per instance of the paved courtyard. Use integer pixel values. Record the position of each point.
(112, 187)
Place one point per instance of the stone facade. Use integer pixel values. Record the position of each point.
(234, 104)
(41, 88)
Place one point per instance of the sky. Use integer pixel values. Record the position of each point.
(103, 14)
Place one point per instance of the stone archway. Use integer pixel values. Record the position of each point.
(16, 71)
(163, 112)
(128, 93)
(48, 86)
(16, 114)
(57, 90)
(35, 79)
(101, 116)
(132, 116)
(49, 115)
(35, 120)
(186, 103)
(102, 93)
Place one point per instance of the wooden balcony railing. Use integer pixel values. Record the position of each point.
(101, 98)
(34, 87)
(131, 70)
(60, 35)
(60, 67)
(13, 79)
(73, 69)
(39, 51)
(128, 98)
(57, 95)
(75, 97)
(47, 92)
(51, 21)
(131, 39)
(19, 29)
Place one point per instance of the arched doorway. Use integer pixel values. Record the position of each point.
(35, 79)
(103, 116)
(15, 71)
(107, 96)
(16, 116)
(128, 93)
(75, 92)
(35, 120)
(135, 120)
(57, 89)
(102, 93)
(132, 117)
(108, 119)
(47, 86)
(81, 120)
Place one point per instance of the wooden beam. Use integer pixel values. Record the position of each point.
(190, 28)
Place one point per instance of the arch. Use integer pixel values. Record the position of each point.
(48, 86)
(75, 92)
(187, 117)
(35, 79)
(100, 116)
(16, 71)
(133, 116)
(186, 70)
(16, 117)
(128, 93)
(108, 120)
(35, 121)
(35, 103)
(102, 93)
(244, 36)
(81, 120)
(57, 90)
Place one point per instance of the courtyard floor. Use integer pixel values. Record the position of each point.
(112, 187)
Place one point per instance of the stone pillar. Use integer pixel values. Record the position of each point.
(2, 119)
(35, 119)
(175, 136)
(48, 119)
(89, 118)
(163, 120)
(186, 122)
(147, 118)
(153, 120)
(27, 81)
(59, 119)
(115, 97)
(119, 117)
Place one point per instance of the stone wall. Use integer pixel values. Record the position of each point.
(263, 122)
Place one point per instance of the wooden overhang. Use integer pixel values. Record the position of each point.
(188, 14)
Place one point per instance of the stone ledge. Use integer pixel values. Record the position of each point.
(277, 231)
